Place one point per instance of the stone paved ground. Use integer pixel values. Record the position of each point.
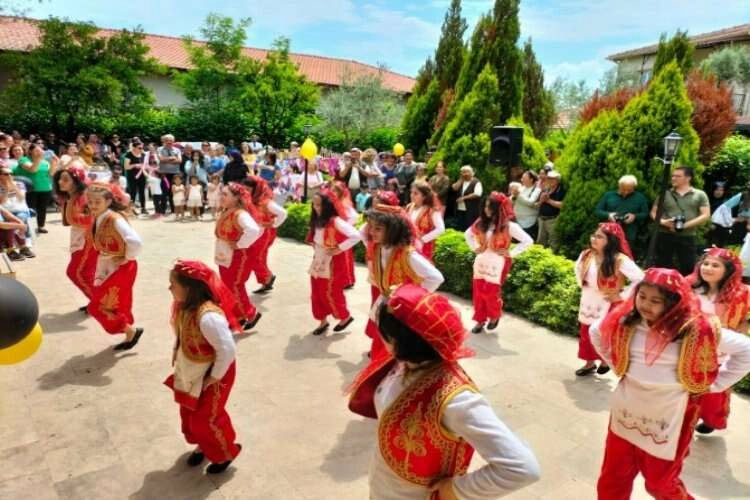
(79, 422)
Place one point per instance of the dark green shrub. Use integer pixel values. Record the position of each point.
(297, 223)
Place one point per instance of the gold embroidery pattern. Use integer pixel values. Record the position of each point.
(397, 270)
(226, 227)
(622, 348)
(110, 301)
(192, 342)
(410, 439)
(218, 435)
(614, 283)
(698, 357)
(107, 240)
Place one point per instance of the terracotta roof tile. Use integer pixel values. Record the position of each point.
(21, 34)
(733, 34)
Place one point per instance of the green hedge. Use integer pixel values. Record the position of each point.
(541, 286)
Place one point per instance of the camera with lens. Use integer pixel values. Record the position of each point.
(679, 222)
(620, 218)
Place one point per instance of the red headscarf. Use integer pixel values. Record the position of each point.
(346, 196)
(615, 230)
(335, 201)
(506, 207)
(222, 296)
(666, 328)
(245, 198)
(76, 170)
(262, 191)
(433, 318)
(733, 294)
(388, 198)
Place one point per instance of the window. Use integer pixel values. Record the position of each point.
(738, 100)
(645, 76)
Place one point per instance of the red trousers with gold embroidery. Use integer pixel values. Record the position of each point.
(112, 301)
(235, 277)
(209, 426)
(259, 254)
(349, 258)
(586, 350)
(82, 268)
(327, 294)
(488, 300)
(715, 409)
(623, 461)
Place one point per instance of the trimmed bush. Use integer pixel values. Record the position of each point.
(541, 286)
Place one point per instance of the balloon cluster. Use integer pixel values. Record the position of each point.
(20, 333)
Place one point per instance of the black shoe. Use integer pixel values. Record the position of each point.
(84, 309)
(493, 324)
(582, 372)
(349, 287)
(219, 468)
(249, 325)
(26, 252)
(15, 256)
(602, 369)
(343, 324)
(267, 287)
(478, 328)
(702, 428)
(129, 344)
(196, 458)
(41, 230)
(321, 329)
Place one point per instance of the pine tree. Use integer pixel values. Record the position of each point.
(423, 110)
(678, 48)
(449, 55)
(538, 103)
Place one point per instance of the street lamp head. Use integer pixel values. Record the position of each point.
(672, 145)
(307, 129)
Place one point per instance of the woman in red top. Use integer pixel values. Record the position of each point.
(70, 187)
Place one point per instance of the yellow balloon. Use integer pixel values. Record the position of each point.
(24, 349)
(399, 149)
(309, 149)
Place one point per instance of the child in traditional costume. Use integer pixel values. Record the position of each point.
(424, 212)
(431, 416)
(717, 281)
(331, 236)
(665, 349)
(490, 237)
(341, 191)
(271, 216)
(70, 187)
(117, 245)
(602, 271)
(204, 362)
(236, 230)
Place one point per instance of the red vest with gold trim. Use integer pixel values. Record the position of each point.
(265, 217)
(698, 365)
(74, 213)
(397, 270)
(614, 283)
(107, 240)
(500, 239)
(411, 437)
(424, 222)
(733, 315)
(193, 344)
(228, 227)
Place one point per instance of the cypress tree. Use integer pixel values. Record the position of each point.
(449, 56)
(538, 103)
(678, 48)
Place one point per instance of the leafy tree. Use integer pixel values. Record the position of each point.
(731, 164)
(423, 112)
(73, 74)
(360, 106)
(413, 124)
(449, 54)
(282, 99)
(570, 95)
(627, 142)
(614, 79)
(730, 64)
(538, 103)
(617, 100)
(474, 60)
(679, 48)
(220, 71)
(713, 112)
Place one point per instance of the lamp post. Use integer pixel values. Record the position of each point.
(306, 128)
(671, 146)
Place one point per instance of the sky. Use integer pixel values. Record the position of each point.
(571, 38)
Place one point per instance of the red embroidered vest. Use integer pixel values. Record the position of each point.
(265, 217)
(74, 213)
(614, 283)
(499, 241)
(424, 222)
(397, 270)
(332, 237)
(733, 315)
(193, 344)
(107, 240)
(698, 365)
(228, 227)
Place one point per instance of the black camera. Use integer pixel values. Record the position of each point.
(620, 218)
(679, 222)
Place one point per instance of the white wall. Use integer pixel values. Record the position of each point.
(164, 93)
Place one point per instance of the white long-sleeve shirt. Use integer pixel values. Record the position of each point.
(516, 232)
(278, 211)
(251, 231)
(215, 329)
(437, 222)
(593, 304)
(351, 233)
(107, 264)
(511, 464)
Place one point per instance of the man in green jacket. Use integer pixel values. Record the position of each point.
(625, 206)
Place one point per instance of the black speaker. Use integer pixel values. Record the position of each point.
(506, 146)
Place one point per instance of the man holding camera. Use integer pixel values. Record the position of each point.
(685, 209)
(626, 206)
